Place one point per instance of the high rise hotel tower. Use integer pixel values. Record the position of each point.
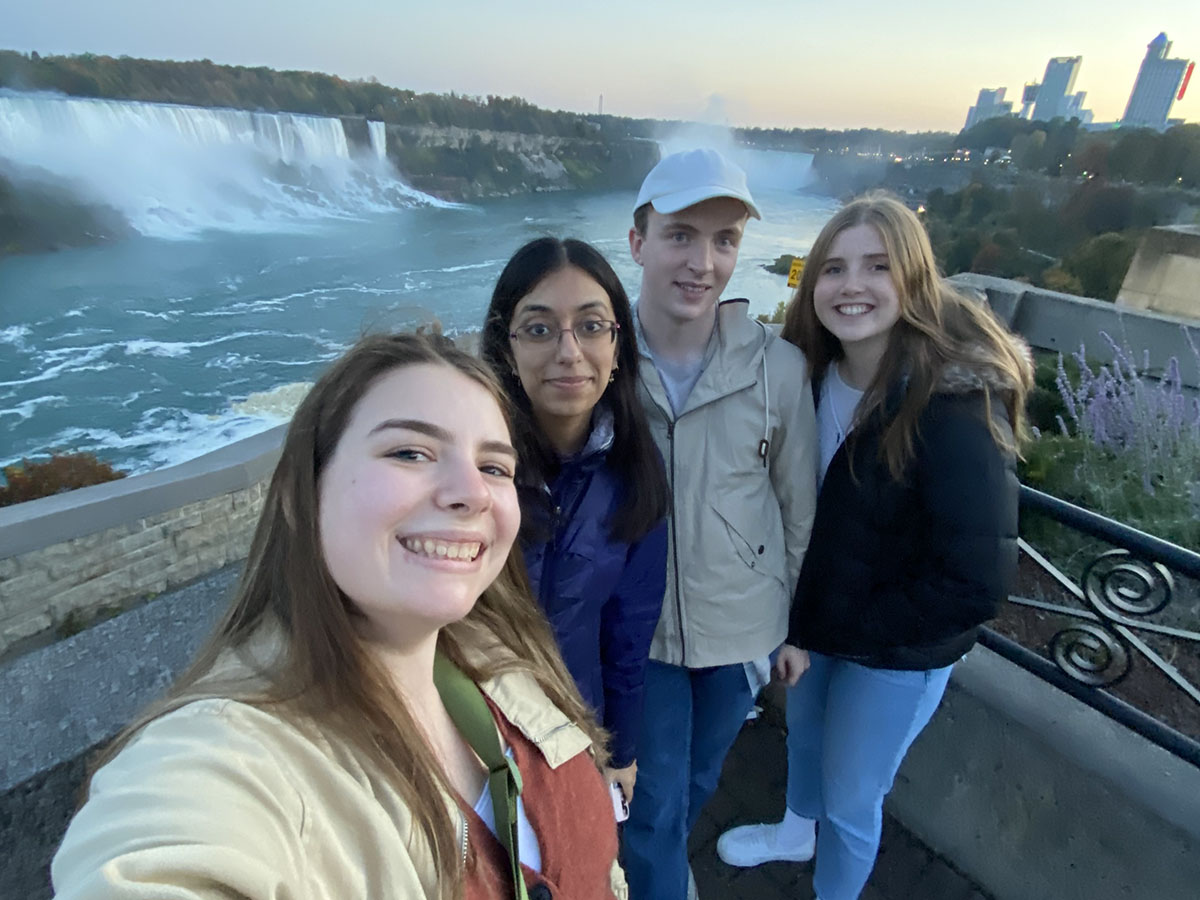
(1160, 82)
(1055, 96)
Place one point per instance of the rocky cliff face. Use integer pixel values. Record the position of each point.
(464, 164)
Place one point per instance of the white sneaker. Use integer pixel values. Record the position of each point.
(753, 845)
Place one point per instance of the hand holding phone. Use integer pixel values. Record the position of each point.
(620, 805)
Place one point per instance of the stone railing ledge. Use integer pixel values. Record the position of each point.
(61, 517)
(1037, 796)
(1160, 781)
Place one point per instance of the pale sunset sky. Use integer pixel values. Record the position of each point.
(913, 66)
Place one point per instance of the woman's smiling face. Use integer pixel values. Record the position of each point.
(855, 296)
(565, 377)
(417, 506)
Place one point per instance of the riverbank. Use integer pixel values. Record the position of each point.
(39, 216)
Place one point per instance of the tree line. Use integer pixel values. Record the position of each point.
(1079, 238)
(205, 83)
(1063, 147)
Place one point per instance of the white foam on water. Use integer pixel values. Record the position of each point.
(140, 346)
(172, 349)
(245, 308)
(66, 359)
(283, 263)
(15, 335)
(162, 437)
(27, 408)
(277, 404)
(231, 361)
(77, 333)
(483, 265)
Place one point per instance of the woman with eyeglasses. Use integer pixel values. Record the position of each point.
(559, 335)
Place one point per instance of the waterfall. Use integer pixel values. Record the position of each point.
(378, 133)
(765, 169)
(173, 171)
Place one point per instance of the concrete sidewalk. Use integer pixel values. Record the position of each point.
(752, 789)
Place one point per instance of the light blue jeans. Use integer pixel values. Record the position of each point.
(849, 727)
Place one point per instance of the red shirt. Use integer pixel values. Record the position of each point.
(570, 811)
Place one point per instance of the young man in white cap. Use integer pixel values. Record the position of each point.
(731, 410)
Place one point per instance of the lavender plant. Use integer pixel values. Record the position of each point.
(1129, 445)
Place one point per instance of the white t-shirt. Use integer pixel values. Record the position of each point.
(835, 415)
(528, 847)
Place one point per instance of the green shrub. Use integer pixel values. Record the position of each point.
(31, 479)
(776, 317)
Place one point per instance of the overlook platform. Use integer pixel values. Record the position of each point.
(60, 703)
(752, 790)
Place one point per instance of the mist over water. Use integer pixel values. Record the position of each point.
(766, 170)
(153, 350)
(175, 171)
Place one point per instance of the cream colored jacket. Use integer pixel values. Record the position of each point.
(739, 524)
(219, 799)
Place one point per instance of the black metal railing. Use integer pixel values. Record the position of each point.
(1117, 592)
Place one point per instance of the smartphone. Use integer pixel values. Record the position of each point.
(620, 806)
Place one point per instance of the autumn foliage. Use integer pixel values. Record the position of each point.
(31, 479)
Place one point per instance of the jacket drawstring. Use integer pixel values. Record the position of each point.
(765, 444)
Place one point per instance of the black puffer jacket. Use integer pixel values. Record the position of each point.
(901, 575)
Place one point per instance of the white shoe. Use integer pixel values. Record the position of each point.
(753, 845)
(692, 895)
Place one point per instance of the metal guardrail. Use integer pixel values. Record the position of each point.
(1118, 591)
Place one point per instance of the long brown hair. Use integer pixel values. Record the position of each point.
(322, 676)
(938, 328)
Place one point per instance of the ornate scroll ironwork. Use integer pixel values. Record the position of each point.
(1119, 590)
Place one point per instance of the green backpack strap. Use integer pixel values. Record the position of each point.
(469, 712)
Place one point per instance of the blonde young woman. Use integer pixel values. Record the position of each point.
(920, 396)
(311, 751)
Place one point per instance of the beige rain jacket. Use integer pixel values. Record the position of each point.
(739, 523)
(220, 799)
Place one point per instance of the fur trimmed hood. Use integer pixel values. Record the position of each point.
(980, 373)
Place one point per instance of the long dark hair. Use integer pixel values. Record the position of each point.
(322, 673)
(938, 327)
(633, 455)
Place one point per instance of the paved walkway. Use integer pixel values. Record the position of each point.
(751, 790)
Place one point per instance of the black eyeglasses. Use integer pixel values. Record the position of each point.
(589, 332)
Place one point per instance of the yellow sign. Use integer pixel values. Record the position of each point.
(794, 272)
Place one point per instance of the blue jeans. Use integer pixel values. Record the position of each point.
(691, 719)
(849, 727)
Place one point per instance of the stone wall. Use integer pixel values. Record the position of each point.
(1165, 272)
(1049, 320)
(62, 586)
(68, 560)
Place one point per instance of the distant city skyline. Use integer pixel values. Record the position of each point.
(914, 67)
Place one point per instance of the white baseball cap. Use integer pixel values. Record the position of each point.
(693, 176)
